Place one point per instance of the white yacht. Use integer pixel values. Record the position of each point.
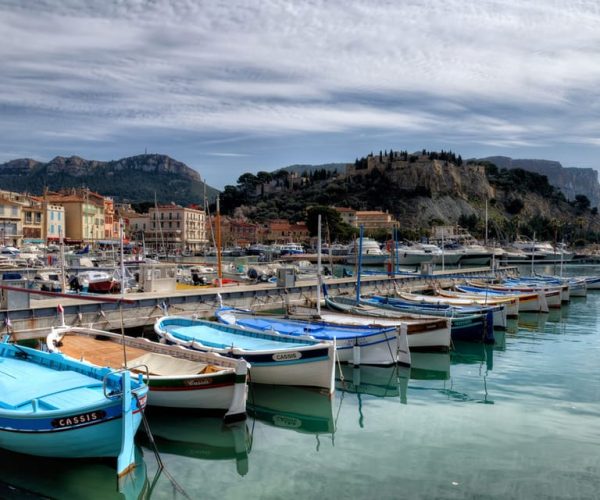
(446, 256)
(543, 251)
(372, 254)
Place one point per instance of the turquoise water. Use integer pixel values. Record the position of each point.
(516, 420)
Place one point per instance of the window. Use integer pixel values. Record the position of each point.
(51, 228)
(51, 215)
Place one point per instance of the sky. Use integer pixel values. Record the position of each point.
(240, 86)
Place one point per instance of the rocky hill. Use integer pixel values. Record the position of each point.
(421, 190)
(134, 179)
(571, 181)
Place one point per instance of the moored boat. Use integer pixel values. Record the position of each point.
(423, 333)
(54, 406)
(528, 301)
(178, 377)
(368, 345)
(467, 324)
(498, 308)
(274, 359)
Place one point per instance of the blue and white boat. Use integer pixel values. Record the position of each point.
(357, 344)
(53, 406)
(528, 301)
(468, 324)
(273, 358)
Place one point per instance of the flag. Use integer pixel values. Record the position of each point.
(8, 322)
(60, 308)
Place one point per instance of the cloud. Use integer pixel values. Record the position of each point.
(512, 73)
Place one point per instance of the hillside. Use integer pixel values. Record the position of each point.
(300, 169)
(421, 190)
(134, 179)
(571, 181)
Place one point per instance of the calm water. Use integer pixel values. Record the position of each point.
(516, 420)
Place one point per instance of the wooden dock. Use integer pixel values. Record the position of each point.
(142, 309)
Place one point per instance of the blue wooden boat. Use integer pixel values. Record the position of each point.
(357, 344)
(273, 358)
(53, 406)
(466, 324)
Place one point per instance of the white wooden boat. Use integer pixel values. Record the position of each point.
(274, 359)
(178, 377)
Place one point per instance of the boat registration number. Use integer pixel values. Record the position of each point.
(82, 418)
(287, 356)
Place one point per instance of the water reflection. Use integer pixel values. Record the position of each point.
(378, 381)
(430, 366)
(300, 409)
(26, 476)
(207, 438)
(473, 352)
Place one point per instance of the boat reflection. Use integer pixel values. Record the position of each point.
(24, 476)
(378, 381)
(471, 353)
(207, 438)
(301, 409)
(430, 366)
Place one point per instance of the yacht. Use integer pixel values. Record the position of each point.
(290, 249)
(446, 256)
(372, 254)
(543, 251)
(407, 255)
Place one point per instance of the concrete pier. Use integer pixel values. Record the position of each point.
(142, 309)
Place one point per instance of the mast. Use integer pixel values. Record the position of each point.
(532, 253)
(319, 279)
(360, 247)
(63, 281)
(218, 231)
(486, 222)
(121, 237)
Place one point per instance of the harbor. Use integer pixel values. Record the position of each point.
(438, 427)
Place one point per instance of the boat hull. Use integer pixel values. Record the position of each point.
(101, 439)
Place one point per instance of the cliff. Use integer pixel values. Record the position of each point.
(134, 179)
(571, 181)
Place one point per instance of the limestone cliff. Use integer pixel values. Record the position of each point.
(134, 179)
(571, 181)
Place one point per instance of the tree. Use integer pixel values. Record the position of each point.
(338, 230)
(581, 203)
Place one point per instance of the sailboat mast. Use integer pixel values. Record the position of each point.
(122, 237)
(218, 235)
(360, 248)
(486, 222)
(319, 264)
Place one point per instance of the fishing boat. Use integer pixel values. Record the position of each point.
(510, 302)
(179, 378)
(528, 301)
(498, 308)
(274, 359)
(355, 344)
(466, 324)
(555, 295)
(423, 333)
(96, 282)
(54, 406)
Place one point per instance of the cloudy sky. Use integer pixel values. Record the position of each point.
(233, 86)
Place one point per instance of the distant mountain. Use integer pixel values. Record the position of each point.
(134, 179)
(571, 181)
(300, 169)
